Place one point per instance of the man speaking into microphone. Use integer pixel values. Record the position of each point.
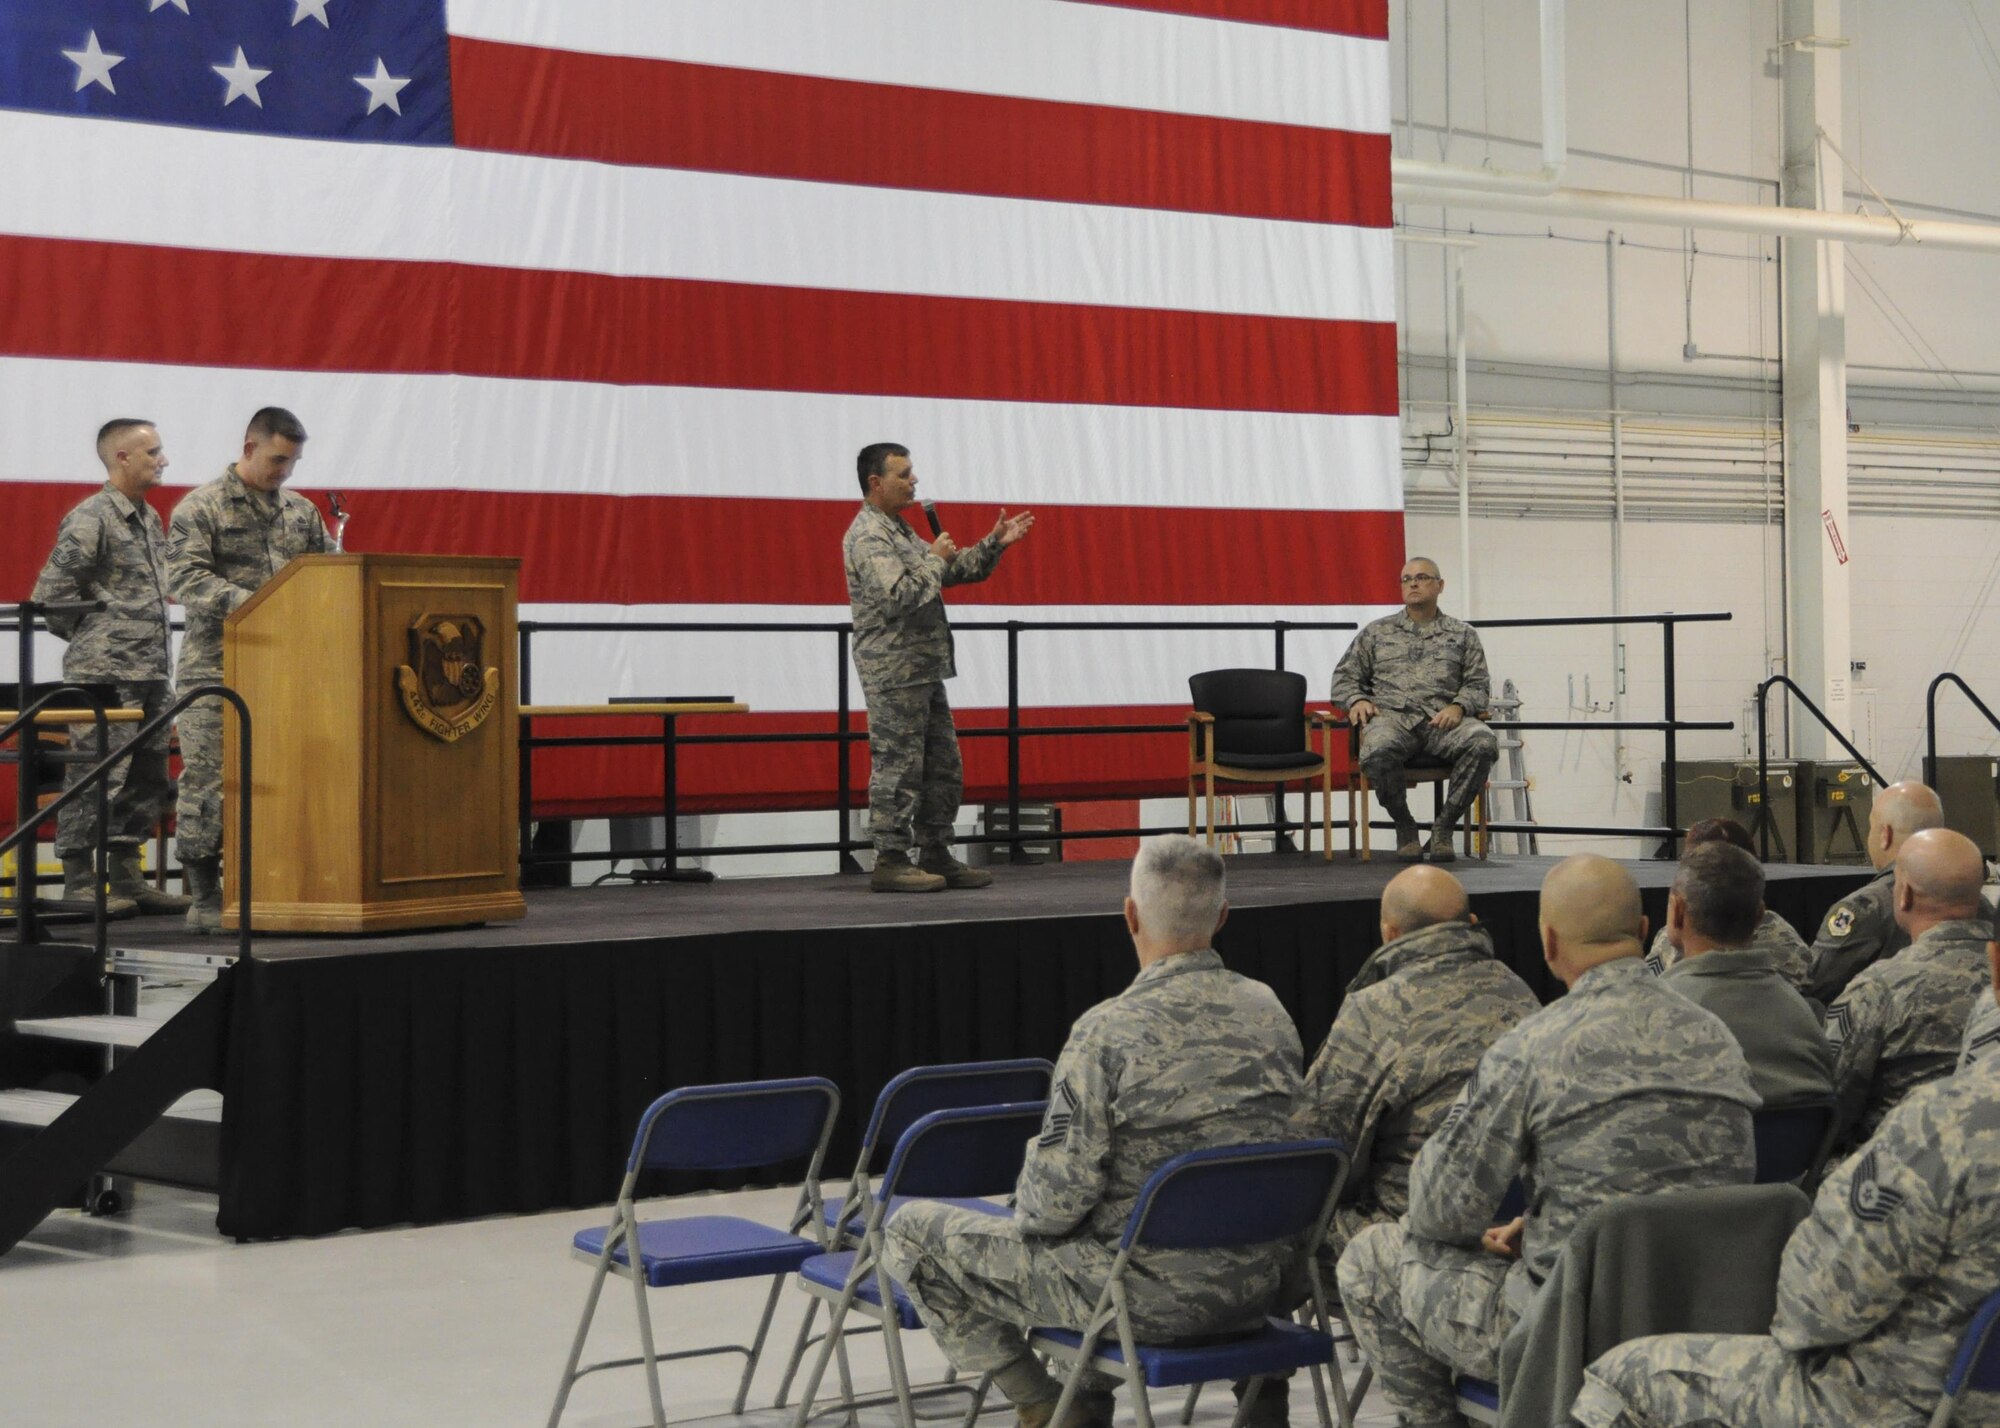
(903, 652)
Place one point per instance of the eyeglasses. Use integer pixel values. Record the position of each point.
(1420, 579)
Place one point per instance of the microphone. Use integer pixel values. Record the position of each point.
(931, 515)
(339, 510)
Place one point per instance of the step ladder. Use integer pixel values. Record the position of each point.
(75, 1127)
(1514, 785)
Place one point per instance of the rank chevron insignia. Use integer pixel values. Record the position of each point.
(1062, 1110)
(1868, 1198)
(1839, 1024)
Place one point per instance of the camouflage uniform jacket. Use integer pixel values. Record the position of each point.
(1777, 1028)
(1877, 1287)
(226, 541)
(110, 548)
(1191, 1055)
(1774, 936)
(1413, 1023)
(1859, 931)
(902, 636)
(1901, 1021)
(1622, 1087)
(1404, 667)
(1982, 1032)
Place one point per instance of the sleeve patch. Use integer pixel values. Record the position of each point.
(1839, 1024)
(1980, 1045)
(1840, 922)
(1061, 1113)
(1868, 1198)
(68, 552)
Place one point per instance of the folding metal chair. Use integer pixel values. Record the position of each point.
(1223, 1198)
(964, 1151)
(1976, 1369)
(1793, 1142)
(915, 1094)
(1478, 1399)
(742, 1126)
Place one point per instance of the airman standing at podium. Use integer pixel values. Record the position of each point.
(903, 652)
(227, 539)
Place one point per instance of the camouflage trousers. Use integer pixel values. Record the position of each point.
(1711, 1381)
(979, 1285)
(1391, 740)
(915, 778)
(198, 814)
(1424, 1313)
(137, 790)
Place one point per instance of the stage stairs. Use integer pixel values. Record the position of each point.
(93, 1094)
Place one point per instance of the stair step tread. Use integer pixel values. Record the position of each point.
(124, 1031)
(40, 1108)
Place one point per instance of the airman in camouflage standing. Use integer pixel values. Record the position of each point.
(111, 548)
(903, 652)
(1874, 1292)
(1620, 1088)
(1411, 683)
(227, 539)
(1900, 1023)
(1191, 1055)
(1861, 929)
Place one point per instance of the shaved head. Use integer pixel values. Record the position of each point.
(1421, 897)
(1900, 811)
(1939, 874)
(1590, 915)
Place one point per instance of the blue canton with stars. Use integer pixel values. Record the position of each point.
(376, 70)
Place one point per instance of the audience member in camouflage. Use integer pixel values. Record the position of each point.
(1900, 1023)
(1711, 915)
(1190, 1055)
(1413, 1023)
(1982, 1029)
(227, 539)
(1775, 939)
(111, 548)
(1619, 1088)
(1861, 929)
(1874, 1293)
(1412, 683)
(903, 652)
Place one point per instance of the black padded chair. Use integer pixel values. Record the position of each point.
(1250, 726)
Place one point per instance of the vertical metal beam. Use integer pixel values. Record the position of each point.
(1462, 457)
(1819, 612)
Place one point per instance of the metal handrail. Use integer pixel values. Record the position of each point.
(24, 876)
(1014, 731)
(1930, 720)
(1764, 752)
(99, 772)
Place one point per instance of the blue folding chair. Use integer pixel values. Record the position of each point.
(1478, 1399)
(1793, 1142)
(972, 1151)
(915, 1094)
(1977, 1367)
(742, 1126)
(1227, 1197)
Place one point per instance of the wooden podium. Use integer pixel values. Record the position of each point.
(383, 706)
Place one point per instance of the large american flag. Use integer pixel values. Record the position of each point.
(620, 286)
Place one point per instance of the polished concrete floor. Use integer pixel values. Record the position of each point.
(149, 1320)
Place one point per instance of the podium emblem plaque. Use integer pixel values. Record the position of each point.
(447, 688)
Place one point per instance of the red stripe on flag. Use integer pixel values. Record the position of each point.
(202, 308)
(644, 550)
(1364, 19)
(717, 778)
(522, 99)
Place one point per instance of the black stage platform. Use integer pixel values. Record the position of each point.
(374, 1081)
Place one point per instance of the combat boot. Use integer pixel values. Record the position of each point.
(1409, 842)
(128, 880)
(80, 885)
(954, 873)
(1086, 1410)
(204, 880)
(1441, 849)
(1273, 1408)
(894, 872)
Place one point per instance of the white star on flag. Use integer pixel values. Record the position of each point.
(180, 5)
(382, 87)
(243, 78)
(314, 8)
(93, 65)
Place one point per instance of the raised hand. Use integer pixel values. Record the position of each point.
(1008, 530)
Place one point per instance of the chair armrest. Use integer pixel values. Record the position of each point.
(1328, 719)
(1200, 716)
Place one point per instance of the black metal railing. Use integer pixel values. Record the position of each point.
(1015, 732)
(23, 841)
(1763, 830)
(1931, 724)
